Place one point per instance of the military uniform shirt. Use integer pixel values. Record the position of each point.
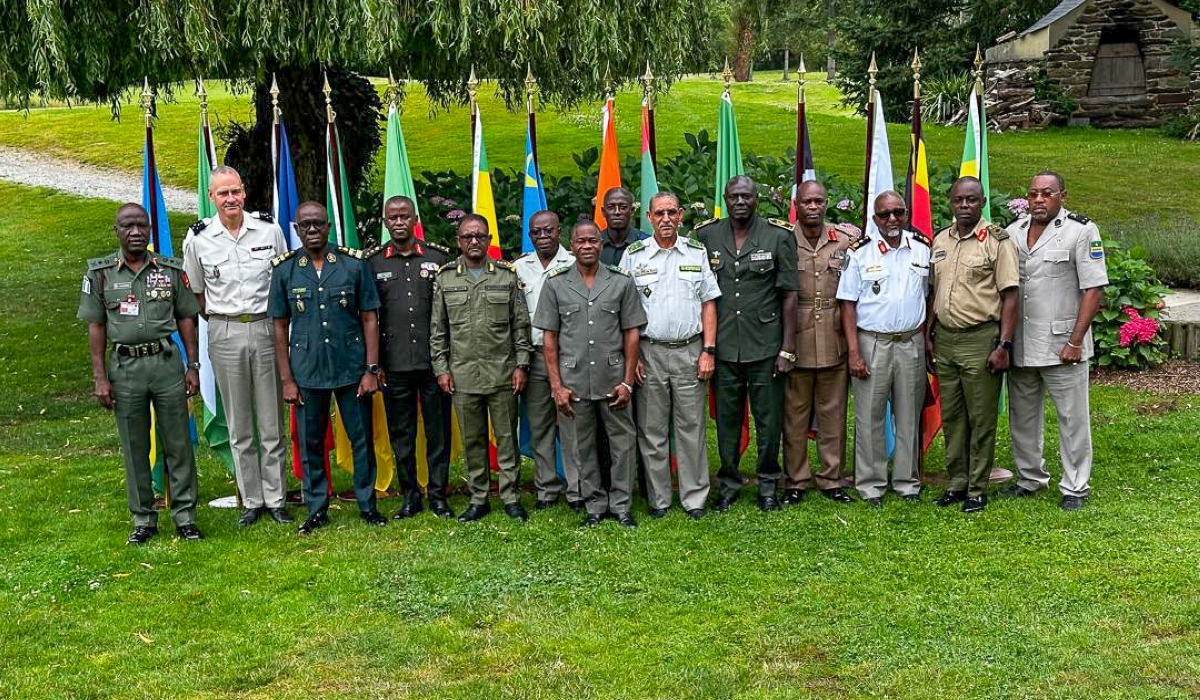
(405, 287)
(820, 339)
(969, 273)
(233, 274)
(326, 345)
(1067, 259)
(610, 252)
(136, 307)
(749, 324)
(888, 284)
(672, 284)
(480, 327)
(589, 322)
(533, 278)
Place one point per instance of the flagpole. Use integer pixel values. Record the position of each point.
(981, 147)
(798, 176)
(209, 147)
(872, 70)
(148, 113)
(334, 165)
(915, 139)
(530, 90)
(472, 89)
(648, 94)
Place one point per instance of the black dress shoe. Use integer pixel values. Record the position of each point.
(696, 513)
(441, 509)
(876, 502)
(189, 532)
(792, 497)
(912, 498)
(576, 506)
(949, 498)
(516, 511)
(974, 504)
(1017, 491)
(316, 520)
(1072, 502)
(545, 504)
(591, 520)
(768, 503)
(408, 510)
(474, 512)
(626, 520)
(280, 515)
(142, 534)
(837, 495)
(724, 503)
(249, 516)
(657, 513)
(373, 517)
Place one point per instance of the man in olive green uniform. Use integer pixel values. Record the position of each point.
(591, 317)
(755, 263)
(135, 300)
(818, 384)
(325, 310)
(971, 324)
(480, 350)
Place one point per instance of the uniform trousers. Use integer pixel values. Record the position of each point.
(580, 445)
(824, 393)
(897, 372)
(243, 363)
(737, 381)
(139, 383)
(473, 412)
(406, 391)
(542, 417)
(1068, 389)
(313, 419)
(672, 402)
(970, 403)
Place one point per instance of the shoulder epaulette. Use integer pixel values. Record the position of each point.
(263, 216)
(504, 265)
(1079, 217)
(919, 237)
(280, 259)
(199, 226)
(619, 271)
(101, 263)
(371, 252)
(175, 263)
(352, 252)
(848, 229)
(448, 266)
(998, 232)
(693, 242)
(635, 246)
(559, 271)
(859, 242)
(437, 246)
(706, 222)
(942, 230)
(780, 223)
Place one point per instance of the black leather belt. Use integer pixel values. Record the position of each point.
(902, 337)
(240, 318)
(673, 343)
(141, 349)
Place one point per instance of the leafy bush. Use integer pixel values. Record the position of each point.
(1171, 247)
(943, 96)
(1127, 331)
(1185, 127)
(1059, 102)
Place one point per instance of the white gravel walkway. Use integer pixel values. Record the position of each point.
(36, 170)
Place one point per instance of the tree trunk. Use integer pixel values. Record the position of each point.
(786, 56)
(830, 39)
(743, 56)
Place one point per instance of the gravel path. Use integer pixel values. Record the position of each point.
(35, 170)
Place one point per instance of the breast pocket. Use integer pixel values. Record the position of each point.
(569, 314)
(1057, 262)
(874, 283)
(260, 262)
(610, 312)
(497, 306)
(299, 301)
(762, 266)
(216, 265)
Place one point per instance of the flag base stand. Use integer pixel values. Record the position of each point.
(999, 476)
(224, 502)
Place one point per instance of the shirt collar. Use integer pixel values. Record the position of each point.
(393, 251)
(653, 245)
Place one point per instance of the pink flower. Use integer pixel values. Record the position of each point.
(1017, 205)
(844, 204)
(455, 214)
(1137, 329)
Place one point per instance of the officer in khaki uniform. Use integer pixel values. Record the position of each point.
(135, 300)
(479, 346)
(1063, 274)
(754, 260)
(591, 315)
(818, 383)
(971, 325)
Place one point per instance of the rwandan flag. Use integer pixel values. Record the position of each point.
(482, 201)
(610, 162)
(649, 176)
(729, 155)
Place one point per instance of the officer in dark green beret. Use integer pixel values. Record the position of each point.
(134, 300)
(324, 303)
(754, 260)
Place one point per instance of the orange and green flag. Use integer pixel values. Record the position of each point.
(610, 162)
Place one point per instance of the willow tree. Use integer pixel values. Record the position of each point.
(94, 50)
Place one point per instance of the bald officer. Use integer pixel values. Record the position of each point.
(971, 325)
(1063, 275)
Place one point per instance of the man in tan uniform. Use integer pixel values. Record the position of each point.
(971, 324)
(818, 382)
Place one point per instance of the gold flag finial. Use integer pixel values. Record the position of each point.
(978, 70)
(800, 81)
(330, 115)
(608, 82)
(275, 111)
(727, 74)
(393, 89)
(472, 87)
(916, 69)
(872, 71)
(203, 97)
(531, 85)
(147, 101)
(648, 86)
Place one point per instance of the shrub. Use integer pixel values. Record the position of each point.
(1171, 247)
(1127, 331)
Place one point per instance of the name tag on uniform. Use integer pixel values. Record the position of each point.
(262, 247)
(874, 268)
(689, 268)
(760, 255)
(644, 270)
(383, 276)
(938, 255)
(122, 285)
(299, 290)
(1058, 255)
(130, 308)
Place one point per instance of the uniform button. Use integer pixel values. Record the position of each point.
(591, 303)
(320, 289)
(736, 279)
(327, 340)
(410, 308)
(739, 313)
(736, 262)
(590, 323)
(737, 294)
(592, 362)
(816, 274)
(410, 294)
(408, 279)
(818, 317)
(322, 306)
(412, 325)
(324, 323)
(591, 342)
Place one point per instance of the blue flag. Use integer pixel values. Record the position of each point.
(284, 198)
(534, 199)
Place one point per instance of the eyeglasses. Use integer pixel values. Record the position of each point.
(660, 213)
(1042, 194)
(474, 237)
(890, 213)
(544, 231)
(311, 225)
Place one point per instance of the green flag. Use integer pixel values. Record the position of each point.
(397, 177)
(344, 230)
(649, 178)
(975, 150)
(729, 155)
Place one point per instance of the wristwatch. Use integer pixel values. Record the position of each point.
(373, 369)
(1006, 344)
(194, 365)
(709, 349)
(789, 356)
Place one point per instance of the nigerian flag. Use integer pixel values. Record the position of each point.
(729, 155)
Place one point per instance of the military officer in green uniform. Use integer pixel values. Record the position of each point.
(755, 262)
(480, 350)
(970, 330)
(134, 300)
(325, 307)
(591, 317)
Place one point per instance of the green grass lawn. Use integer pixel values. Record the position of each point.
(819, 601)
(1156, 169)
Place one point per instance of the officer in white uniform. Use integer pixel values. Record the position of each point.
(228, 260)
(883, 291)
(1063, 274)
(678, 355)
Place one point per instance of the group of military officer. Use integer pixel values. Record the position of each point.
(611, 345)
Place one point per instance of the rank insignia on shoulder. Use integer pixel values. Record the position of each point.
(999, 233)
(437, 246)
(263, 216)
(374, 251)
(1079, 217)
(279, 259)
(199, 225)
(619, 271)
(170, 262)
(635, 246)
(1096, 250)
(858, 243)
(559, 271)
(87, 285)
(100, 263)
(706, 222)
(694, 243)
(352, 252)
(448, 266)
(780, 223)
(921, 238)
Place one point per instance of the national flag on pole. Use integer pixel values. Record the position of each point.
(483, 202)
(729, 155)
(975, 148)
(344, 231)
(649, 176)
(879, 167)
(610, 162)
(804, 170)
(534, 193)
(397, 176)
(284, 196)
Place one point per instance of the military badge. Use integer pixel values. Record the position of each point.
(1096, 250)
(303, 262)
(646, 292)
(300, 305)
(330, 257)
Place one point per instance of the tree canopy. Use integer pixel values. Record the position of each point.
(94, 49)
